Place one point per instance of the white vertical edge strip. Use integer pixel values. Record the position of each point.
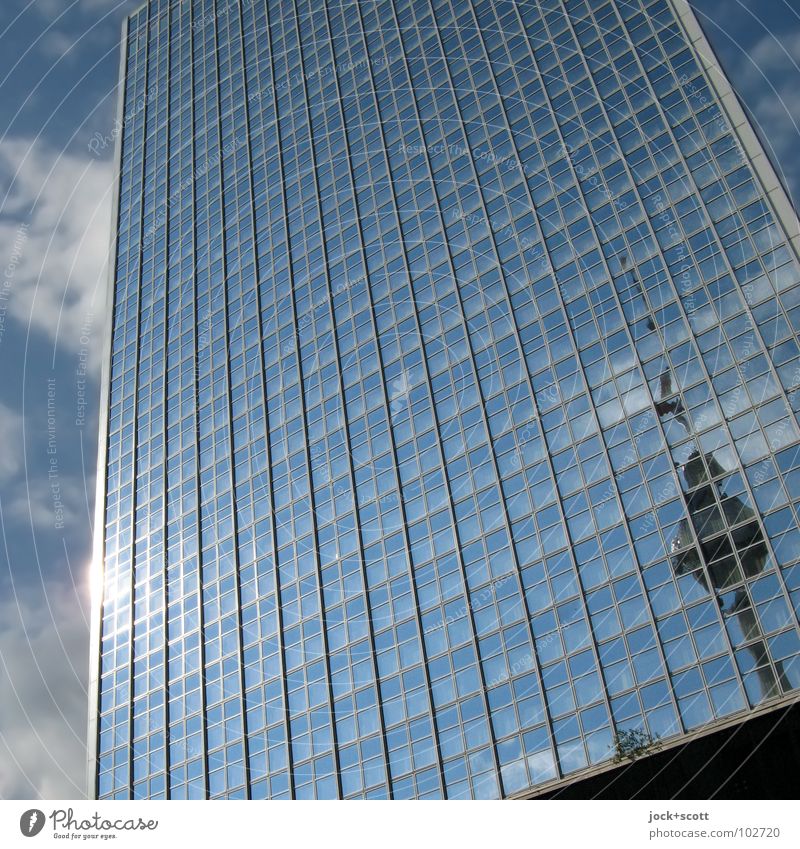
(98, 553)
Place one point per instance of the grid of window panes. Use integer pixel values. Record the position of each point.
(453, 403)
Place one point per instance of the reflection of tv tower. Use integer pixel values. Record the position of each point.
(718, 540)
(666, 405)
(635, 286)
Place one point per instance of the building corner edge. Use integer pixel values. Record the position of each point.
(96, 567)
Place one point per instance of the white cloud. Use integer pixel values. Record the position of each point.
(56, 45)
(762, 62)
(43, 700)
(55, 224)
(764, 68)
(48, 8)
(51, 504)
(11, 428)
(776, 112)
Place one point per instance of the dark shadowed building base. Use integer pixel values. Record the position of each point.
(755, 760)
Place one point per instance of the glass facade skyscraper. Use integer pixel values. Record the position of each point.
(451, 406)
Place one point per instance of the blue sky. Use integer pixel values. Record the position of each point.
(58, 76)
